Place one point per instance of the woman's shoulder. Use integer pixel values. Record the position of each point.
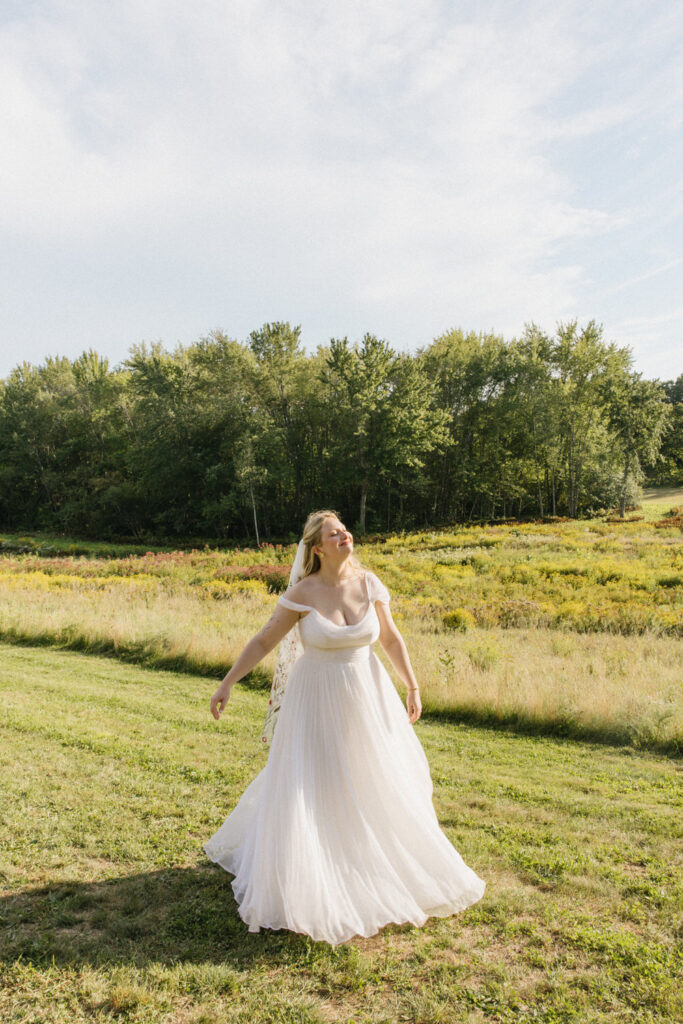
(299, 591)
(377, 589)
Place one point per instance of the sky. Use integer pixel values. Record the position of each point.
(397, 167)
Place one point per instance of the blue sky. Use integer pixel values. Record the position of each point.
(395, 167)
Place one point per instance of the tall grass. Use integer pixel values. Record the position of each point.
(617, 688)
(148, 624)
(567, 627)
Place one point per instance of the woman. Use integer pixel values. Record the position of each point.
(337, 835)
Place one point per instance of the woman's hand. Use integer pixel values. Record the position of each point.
(413, 705)
(220, 700)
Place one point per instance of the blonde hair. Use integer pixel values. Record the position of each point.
(312, 533)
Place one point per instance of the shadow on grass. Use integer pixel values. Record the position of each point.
(659, 494)
(560, 728)
(146, 654)
(167, 916)
(142, 653)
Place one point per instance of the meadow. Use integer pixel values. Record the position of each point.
(570, 628)
(549, 661)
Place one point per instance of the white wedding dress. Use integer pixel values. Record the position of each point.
(337, 835)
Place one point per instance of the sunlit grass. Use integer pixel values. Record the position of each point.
(658, 501)
(569, 627)
(623, 689)
(113, 776)
(155, 625)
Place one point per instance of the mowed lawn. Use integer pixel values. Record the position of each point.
(112, 776)
(658, 501)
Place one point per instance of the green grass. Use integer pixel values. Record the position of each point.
(658, 501)
(49, 545)
(112, 776)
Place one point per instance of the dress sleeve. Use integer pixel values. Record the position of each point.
(286, 603)
(378, 592)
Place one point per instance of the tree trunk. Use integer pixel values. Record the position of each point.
(363, 503)
(253, 505)
(624, 482)
(538, 475)
(571, 470)
(552, 478)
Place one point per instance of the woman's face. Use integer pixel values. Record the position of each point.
(336, 542)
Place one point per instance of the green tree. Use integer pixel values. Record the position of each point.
(223, 438)
(638, 415)
(670, 463)
(412, 427)
(469, 374)
(358, 380)
(226, 412)
(35, 441)
(581, 362)
(281, 389)
(381, 404)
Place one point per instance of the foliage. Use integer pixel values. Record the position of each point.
(459, 619)
(226, 440)
(484, 654)
(668, 469)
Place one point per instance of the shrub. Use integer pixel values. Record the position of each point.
(662, 524)
(670, 581)
(221, 590)
(484, 655)
(674, 517)
(519, 612)
(459, 618)
(275, 577)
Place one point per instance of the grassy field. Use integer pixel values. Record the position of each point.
(113, 775)
(657, 501)
(570, 628)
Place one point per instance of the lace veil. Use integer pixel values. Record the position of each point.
(291, 648)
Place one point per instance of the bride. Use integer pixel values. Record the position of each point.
(337, 835)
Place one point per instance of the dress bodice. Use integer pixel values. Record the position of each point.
(319, 633)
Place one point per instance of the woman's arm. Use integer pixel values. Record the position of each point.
(397, 652)
(277, 626)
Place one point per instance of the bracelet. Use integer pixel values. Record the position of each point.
(413, 689)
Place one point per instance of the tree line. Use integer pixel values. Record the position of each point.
(225, 439)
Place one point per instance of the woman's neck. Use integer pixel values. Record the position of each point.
(335, 579)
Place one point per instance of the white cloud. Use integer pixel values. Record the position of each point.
(654, 340)
(129, 106)
(664, 268)
(392, 163)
